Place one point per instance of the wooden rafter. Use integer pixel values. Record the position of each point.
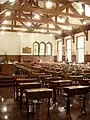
(24, 10)
(54, 12)
(32, 27)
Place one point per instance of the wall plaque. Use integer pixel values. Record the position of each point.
(26, 50)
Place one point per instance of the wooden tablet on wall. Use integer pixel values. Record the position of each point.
(26, 50)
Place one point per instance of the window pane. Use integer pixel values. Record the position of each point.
(59, 45)
(42, 49)
(87, 10)
(80, 42)
(36, 49)
(80, 55)
(59, 57)
(69, 55)
(69, 49)
(48, 49)
(69, 44)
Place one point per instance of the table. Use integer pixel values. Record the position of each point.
(72, 91)
(59, 84)
(21, 80)
(76, 78)
(29, 85)
(36, 94)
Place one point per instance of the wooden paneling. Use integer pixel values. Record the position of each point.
(6, 69)
(87, 58)
(28, 58)
(73, 58)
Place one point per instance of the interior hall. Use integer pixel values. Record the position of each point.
(44, 59)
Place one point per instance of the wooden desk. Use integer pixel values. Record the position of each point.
(29, 85)
(72, 91)
(58, 84)
(36, 94)
(85, 82)
(76, 78)
(47, 80)
(24, 80)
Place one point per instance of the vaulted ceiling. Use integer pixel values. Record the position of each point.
(58, 17)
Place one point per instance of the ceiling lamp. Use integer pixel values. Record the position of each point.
(81, 10)
(8, 13)
(69, 28)
(3, 28)
(5, 22)
(37, 17)
(58, 32)
(29, 23)
(49, 4)
(11, 0)
(84, 22)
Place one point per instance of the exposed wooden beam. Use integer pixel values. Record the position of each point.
(54, 12)
(37, 21)
(32, 27)
(54, 33)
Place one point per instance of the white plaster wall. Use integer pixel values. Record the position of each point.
(10, 43)
(27, 40)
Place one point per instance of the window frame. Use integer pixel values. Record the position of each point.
(59, 50)
(80, 48)
(51, 48)
(44, 49)
(69, 49)
(38, 47)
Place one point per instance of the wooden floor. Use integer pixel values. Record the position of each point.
(57, 112)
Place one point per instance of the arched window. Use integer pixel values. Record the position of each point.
(48, 48)
(42, 48)
(36, 48)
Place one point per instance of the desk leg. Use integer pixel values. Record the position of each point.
(68, 116)
(38, 107)
(14, 89)
(27, 104)
(54, 96)
(48, 114)
(83, 110)
(21, 99)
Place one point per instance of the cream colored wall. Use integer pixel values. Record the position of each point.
(27, 40)
(12, 43)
